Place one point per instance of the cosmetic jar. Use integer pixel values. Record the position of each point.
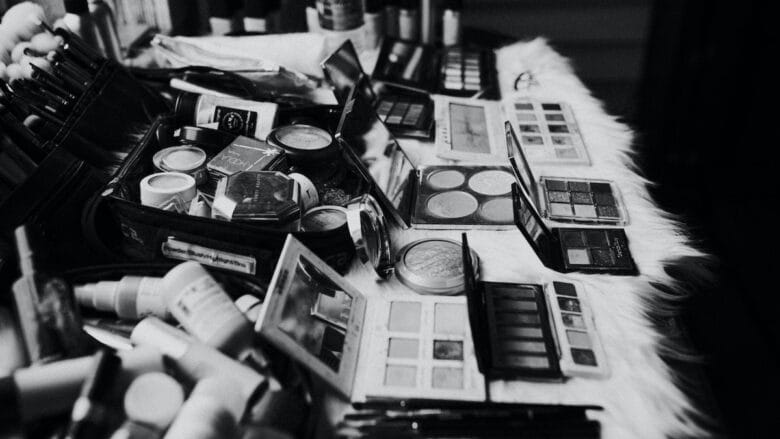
(168, 191)
(186, 159)
(433, 266)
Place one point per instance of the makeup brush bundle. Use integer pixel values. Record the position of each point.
(71, 97)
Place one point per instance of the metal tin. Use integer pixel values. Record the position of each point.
(433, 266)
(186, 159)
(368, 229)
(304, 144)
(324, 219)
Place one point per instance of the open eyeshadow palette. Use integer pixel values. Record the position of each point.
(469, 130)
(406, 113)
(548, 132)
(454, 71)
(532, 331)
(415, 344)
(588, 250)
(567, 199)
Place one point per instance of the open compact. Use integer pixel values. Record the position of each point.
(433, 266)
(567, 199)
(323, 219)
(368, 229)
(265, 196)
(304, 143)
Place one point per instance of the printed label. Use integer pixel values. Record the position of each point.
(235, 120)
(183, 251)
(203, 307)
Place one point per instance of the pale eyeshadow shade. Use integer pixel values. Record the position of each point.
(446, 179)
(492, 182)
(532, 362)
(498, 210)
(401, 376)
(560, 209)
(578, 339)
(523, 346)
(578, 256)
(573, 320)
(403, 348)
(519, 331)
(586, 211)
(404, 317)
(453, 204)
(449, 318)
(447, 378)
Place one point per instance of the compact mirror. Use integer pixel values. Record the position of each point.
(368, 229)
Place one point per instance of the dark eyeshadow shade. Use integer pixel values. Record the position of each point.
(565, 289)
(555, 117)
(596, 238)
(558, 128)
(529, 128)
(602, 257)
(601, 188)
(573, 239)
(581, 198)
(556, 185)
(559, 197)
(570, 305)
(524, 106)
(551, 107)
(579, 186)
(517, 318)
(448, 350)
(583, 356)
(603, 199)
(607, 211)
(505, 292)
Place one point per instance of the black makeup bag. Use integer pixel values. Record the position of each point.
(143, 233)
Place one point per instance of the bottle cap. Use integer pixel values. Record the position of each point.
(185, 106)
(77, 7)
(153, 399)
(207, 137)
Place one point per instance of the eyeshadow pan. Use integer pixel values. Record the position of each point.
(512, 292)
(517, 318)
(551, 107)
(554, 117)
(452, 204)
(515, 305)
(596, 238)
(498, 210)
(403, 348)
(405, 316)
(447, 378)
(586, 211)
(531, 362)
(604, 199)
(559, 197)
(524, 106)
(492, 182)
(523, 346)
(578, 256)
(583, 356)
(579, 339)
(607, 211)
(581, 198)
(524, 117)
(601, 188)
(529, 129)
(556, 185)
(602, 257)
(449, 318)
(579, 186)
(561, 140)
(533, 140)
(520, 331)
(565, 289)
(558, 128)
(560, 209)
(573, 320)
(450, 350)
(446, 179)
(573, 239)
(570, 305)
(400, 376)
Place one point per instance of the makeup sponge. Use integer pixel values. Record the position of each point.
(22, 19)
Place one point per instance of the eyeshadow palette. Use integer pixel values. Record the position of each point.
(466, 71)
(469, 130)
(548, 132)
(588, 250)
(406, 113)
(530, 331)
(567, 199)
(413, 345)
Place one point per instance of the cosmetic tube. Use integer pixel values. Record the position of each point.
(209, 412)
(451, 24)
(91, 413)
(240, 116)
(197, 361)
(409, 21)
(374, 19)
(391, 18)
(312, 17)
(105, 26)
(37, 392)
(151, 404)
(131, 298)
(427, 22)
(79, 21)
(12, 355)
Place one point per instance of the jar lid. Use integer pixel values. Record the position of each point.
(433, 266)
(368, 229)
(323, 219)
(205, 136)
(183, 158)
(304, 143)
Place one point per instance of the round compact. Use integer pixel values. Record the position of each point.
(452, 204)
(491, 182)
(163, 188)
(187, 159)
(304, 143)
(323, 219)
(433, 266)
(368, 229)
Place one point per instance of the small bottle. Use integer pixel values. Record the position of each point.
(209, 412)
(79, 21)
(257, 15)
(409, 21)
(105, 25)
(151, 403)
(250, 306)
(312, 17)
(222, 18)
(132, 297)
(451, 25)
(238, 116)
(391, 18)
(374, 18)
(427, 22)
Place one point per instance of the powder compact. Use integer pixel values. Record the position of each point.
(407, 113)
(265, 196)
(567, 199)
(588, 250)
(187, 159)
(323, 219)
(368, 229)
(549, 134)
(304, 144)
(414, 345)
(532, 331)
(433, 266)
